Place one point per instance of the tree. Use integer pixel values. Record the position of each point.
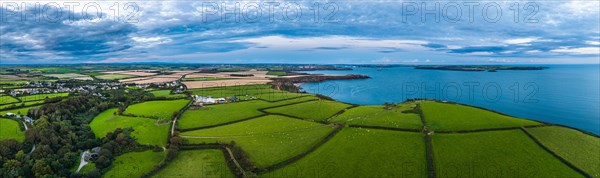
(102, 162)
(40, 168)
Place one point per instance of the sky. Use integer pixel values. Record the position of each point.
(305, 32)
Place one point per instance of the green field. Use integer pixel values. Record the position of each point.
(42, 96)
(134, 164)
(579, 149)
(494, 154)
(220, 113)
(114, 76)
(10, 129)
(229, 91)
(277, 73)
(163, 109)
(454, 117)
(197, 163)
(379, 116)
(204, 79)
(277, 96)
(266, 140)
(87, 168)
(355, 152)
(66, 75)
(146, 130)
(20, 111)
(28, 103)
(314, 110)
(166, 93)
(7, 100)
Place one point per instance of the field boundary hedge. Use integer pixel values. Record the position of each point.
(210, 146)
(222, 124)
(386, 128)
(487, 129)
(289, 104)
(33, 105)
(428, 143)
(340, 112)
(284, 163)
(561, 159)
(229, 156)
(284, 99)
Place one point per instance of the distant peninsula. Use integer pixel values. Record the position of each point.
(478, 68)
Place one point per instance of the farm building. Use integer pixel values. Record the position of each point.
(207, 100)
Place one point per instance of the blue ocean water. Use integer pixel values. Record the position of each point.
(563, 94)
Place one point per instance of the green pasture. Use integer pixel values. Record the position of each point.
(197, 163)
(5, 99)
(114, 76)
(315, 110)
(10, 129)
(581, 150)
(167, 94)
(266, 140)
(508, 153)
(134, 164)
(355, 152)
(42, 96)
(146, 130)
(453, 117)
(162, 109)
(379, 116)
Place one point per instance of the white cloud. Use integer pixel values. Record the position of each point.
(593, 42)
(520, 40)
(583, 50)
(480, 53)
(390, 60)
(280, 42)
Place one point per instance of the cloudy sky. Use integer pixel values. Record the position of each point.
(390, 31)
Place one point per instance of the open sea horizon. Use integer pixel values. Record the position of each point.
(562, 94)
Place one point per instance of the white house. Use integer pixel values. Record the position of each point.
(204, 100)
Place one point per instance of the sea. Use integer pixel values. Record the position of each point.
(562, 94)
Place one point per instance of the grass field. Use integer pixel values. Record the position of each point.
(167, 94)
(494, 154)
(266, 140)
(42, 96)
(197, 163)
(134, 164)
(277, 96)
(355, 152)
(87, 168)
(204, 79)
(156, 109)
(453, 117)
(67, 75)
(379, 116)
(70, 76)
(277, 73)
(222, 113)
(579, 149)
(146, 131)
(29, 103)
(5, 99)
(315, 110)
(10, 129)
(114, 76)
(229, 91)
(20, 111)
